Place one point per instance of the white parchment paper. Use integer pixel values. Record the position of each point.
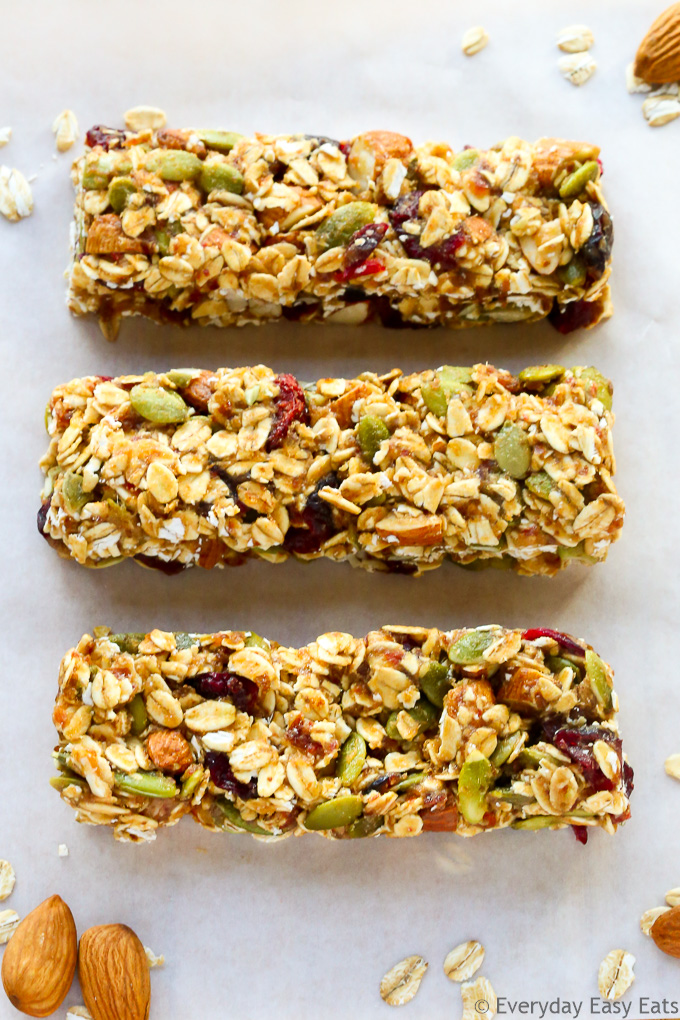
(307, 928)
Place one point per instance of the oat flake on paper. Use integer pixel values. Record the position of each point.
(649, 917)
(9, 922)
(462, 962)
(474, 40)
(615, 975)
(478, 992)
(577, 68)
(16, 197)
(402, 981)
(7, 879)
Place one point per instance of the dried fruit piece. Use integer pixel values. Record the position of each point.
(16, 197)
(139, 118)
(291, 406)
(672, 766)
(577, 68)
(657, 60)
(666, 932)
(114, 973)
(462, 962)
(402, 981)
(474, 40)
(615, 975)
(40, 960)
(335, 814)
(7, 879)
(479, 999)
(575, 39)
(65, 128)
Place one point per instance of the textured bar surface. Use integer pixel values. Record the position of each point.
(406, 730)
(393, 472)
(217, 229)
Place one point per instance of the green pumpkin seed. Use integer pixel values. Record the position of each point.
(343, 223)
(473, 782)
(455, 378)
(574, 273)
(233, 817)
(574, 183)
(538, 822)
(191, 783)
(465, 159)
(223, 141)
(531, 757)
(94, 180)
(603, 386)
(504, 749)
(221, 177)
(62, 782)
(556, 663)
(541, 484)
(160, 406)
(351, 759)
(598, 680)
(72, 493)
(145, 784)
(541, 373)
(469, 649)
(370, 434)
(423, 714)
(120, 190)
(575, 552)
(164, 236)
(254, 640)
(140, 719)
(365, 826)
(513, 451)
(435, 683)
(184, 641)
(409, 780)
(507, 794)
(181, 377)
(174, 165)
(335, 814)
(435, 399)
(127, 642)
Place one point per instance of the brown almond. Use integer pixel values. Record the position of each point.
(665, 932)
(114, 973)
(40, 959)
(169, 750)
(658, 57)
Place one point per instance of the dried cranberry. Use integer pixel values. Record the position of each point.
(290, 406)
(345, 148)
(578, 745)
(243, 692)
(574, 315)
(391, 317)
(442, 254)
(168, 567)
(298, 735)
(363, 243)
(597, 249)
(222, 775)
(581, 833)
(42, 516)
(104, 136)
(301, 310)
(565, 642)
(368, 268)
(628, 779)
(405, 208)
(317, 516)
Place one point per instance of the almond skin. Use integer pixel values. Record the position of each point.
(114, 973)
(40, 959)
(665, 932)
(658, 57)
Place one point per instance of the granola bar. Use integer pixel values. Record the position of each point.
(214, 228)
(395, 472)
(408, 729)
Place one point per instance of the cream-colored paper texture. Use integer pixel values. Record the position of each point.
(306, 927)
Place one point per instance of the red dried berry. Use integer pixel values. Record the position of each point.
(242, 692)
(563, 640)
(363, 242)
(104, 136)
(290, 406)
(581, 833)
(222, 775)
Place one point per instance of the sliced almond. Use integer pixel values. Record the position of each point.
(401, 983)
(615, 975)
(462, 962)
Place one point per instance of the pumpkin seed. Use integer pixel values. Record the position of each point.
(335, 814)
(164, 236)
(603, 386)
(473, 782)
(221, 177)
(537, 822)
(191, 783)
(370, 434)
(61, 782)
(145, 784)
(351, 759)
(223, 141)
(507, 794)
(120, 190)
(160, 406)
(181, 377)
(343, 223)
(127, 642)
(541, 484)
(574, 183)
(504, 749)
(184, 641)
(540, 373)
(512, 451)
(72, 493)
(174, 165)
(465, 159)
(365, 826)
(140, 719)
(574, 273)
(598, 680)
(254, 640)
(469, 648)
(435, 683)
(233, 817)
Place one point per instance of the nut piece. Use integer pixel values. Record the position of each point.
(16, 197)
(152, 959)
(474, 40)
(5, 135)
(40, 960)
(65, 128)
(402, 982)
(169, 750)
(577, 67)
(672, 766)
(615, 975)
(141, 117)
(659, 110)
(658, 57)
(575, 39)
(666, 932)
(9, 921)
(7, 879)
(673, 897)
(649, 917)
(114, 973)
(476, 994)
(462, 962)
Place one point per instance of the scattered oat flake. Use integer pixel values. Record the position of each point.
(479, 999)
(7, 879)
(660, 110)
(65, 128)
(9, 921)
(16, 197)
(615, 975)
(62, 850)
(633, 83)
(141, 117)
(672, 764)
(577, 67)
(649, 917)
(575, 39)
(673, 897)
(474, 40)
(78, 1013)
(402, 982)
(5, 135)
(154, 961)
(462, 962)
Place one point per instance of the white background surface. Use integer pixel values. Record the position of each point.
(306, 928)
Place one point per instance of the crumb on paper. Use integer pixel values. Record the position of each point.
(62, 850)
(16, 197)
(633, 83)
(7, 879)
(474, 40)
(78, 1013)
(65, 128)
(672, 766)
(139, 118)
(154, 961)
(5, 135)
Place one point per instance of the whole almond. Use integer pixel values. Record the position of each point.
(40, 959)
(665, 931)
(658, 57)
(114, 973)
